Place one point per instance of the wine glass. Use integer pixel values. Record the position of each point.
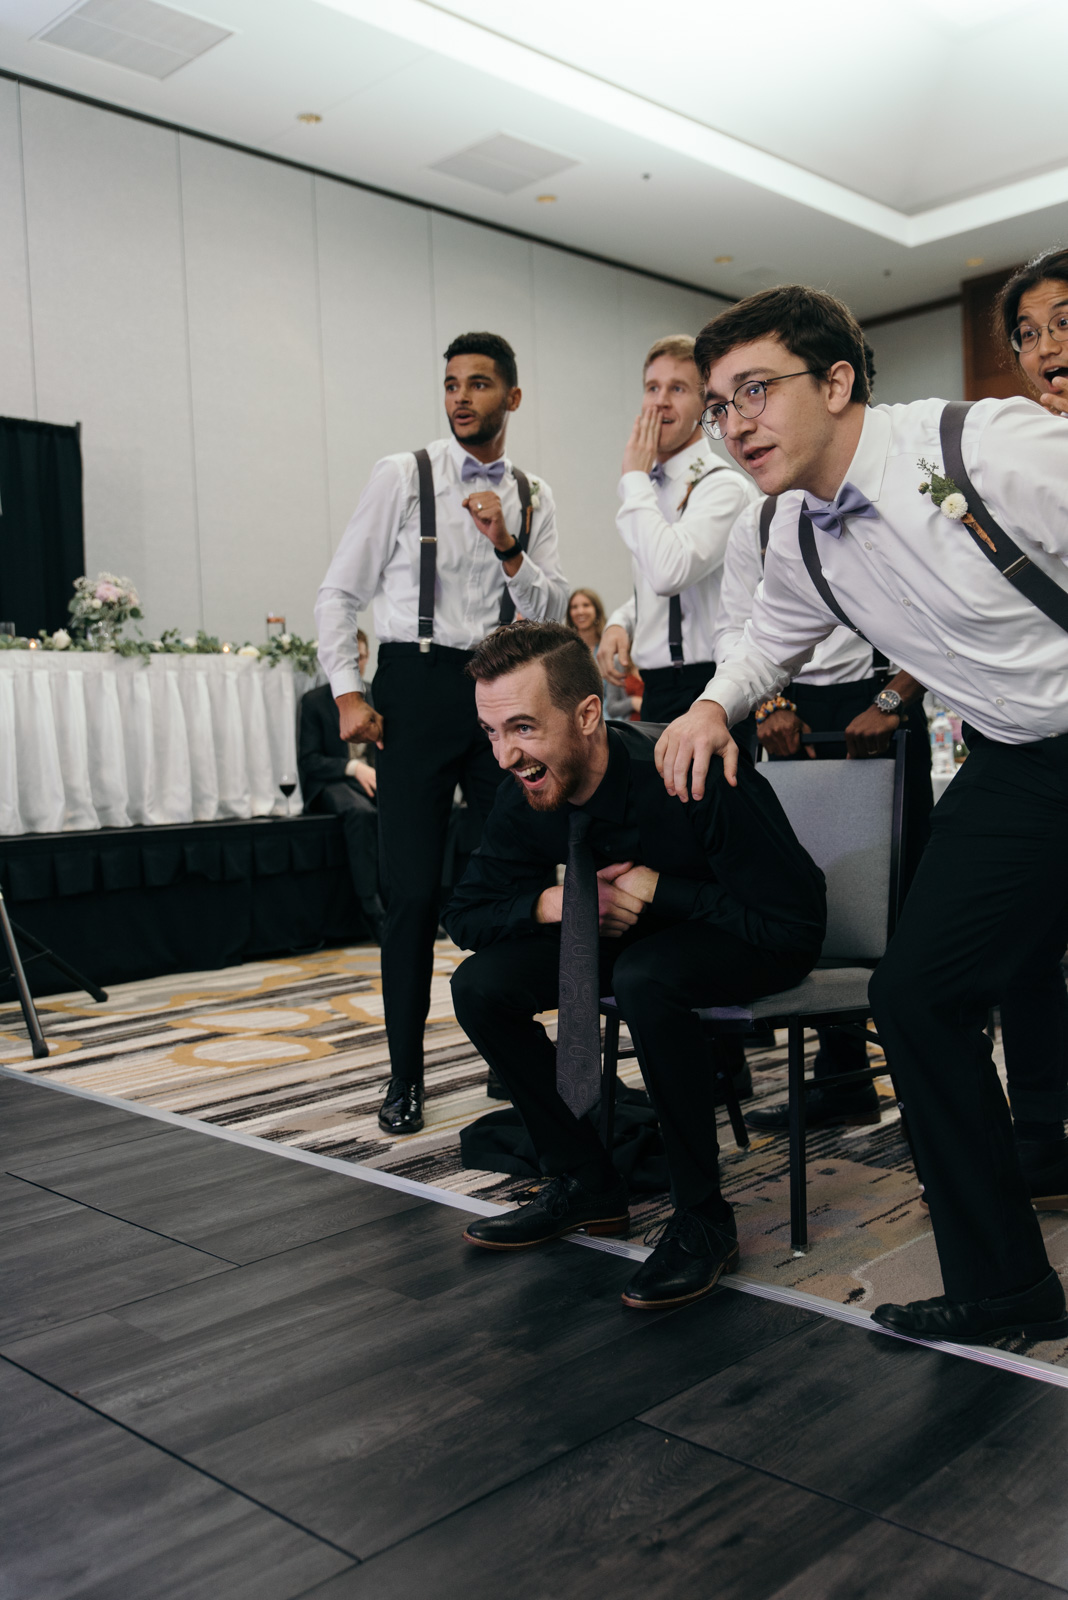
(287, 783)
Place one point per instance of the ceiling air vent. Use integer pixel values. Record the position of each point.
(503, 164)
(137, 34)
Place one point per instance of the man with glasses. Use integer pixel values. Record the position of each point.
(679, 502)
(939, 534)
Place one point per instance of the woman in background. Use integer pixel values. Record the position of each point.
(586, 614)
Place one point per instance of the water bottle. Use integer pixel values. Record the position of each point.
(943, 758)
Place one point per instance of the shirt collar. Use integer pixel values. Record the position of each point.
(678, 465)
(608, 802)
(459, 455)
(869, 461)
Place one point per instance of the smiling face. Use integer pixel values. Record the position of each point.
(582, 613)
(1047, 359)
(552, 754)
(796, 441)
(674, 388)
(477, 400)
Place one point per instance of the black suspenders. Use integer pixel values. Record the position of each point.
(1000, 550)
(767, 511)
(428, 545)
(675, 601)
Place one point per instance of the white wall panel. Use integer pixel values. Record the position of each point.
(483, 282)
(105, 256)
(382, 374)
(578, 318)
(257, 387)
(16, 368)
(919, 357)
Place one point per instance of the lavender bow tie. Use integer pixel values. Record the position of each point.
(849, 503)
(471, 468)
(658, 473)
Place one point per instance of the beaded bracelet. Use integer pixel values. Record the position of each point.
(769, 707)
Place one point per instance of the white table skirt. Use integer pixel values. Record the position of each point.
(103, 741)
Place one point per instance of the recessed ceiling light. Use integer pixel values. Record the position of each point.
(975, 261)
(546, 199)
(309, 117)
(721, 261)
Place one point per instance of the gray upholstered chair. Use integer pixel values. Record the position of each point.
(849, 815)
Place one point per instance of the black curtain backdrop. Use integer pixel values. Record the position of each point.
(42, 543)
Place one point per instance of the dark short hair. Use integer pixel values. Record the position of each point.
(815, 327)
(1051, 264)
(570, 669)
(492, 345)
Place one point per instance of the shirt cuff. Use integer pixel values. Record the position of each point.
(674, 898)
(524, 585)
(637, 486)
(724, 694)
(347, 681)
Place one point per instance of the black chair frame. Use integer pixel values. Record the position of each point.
(848, 1021)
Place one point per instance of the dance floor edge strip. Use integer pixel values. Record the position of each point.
(1006, 1361)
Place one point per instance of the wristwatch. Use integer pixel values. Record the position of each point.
(888, 701)
(506, 555)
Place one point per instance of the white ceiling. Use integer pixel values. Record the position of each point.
(874, 147)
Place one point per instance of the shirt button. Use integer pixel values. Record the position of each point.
(906, 602)
(951, 655)
(999, 701)
(867, 546)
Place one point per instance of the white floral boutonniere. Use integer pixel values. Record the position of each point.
(535, 494)
(949, 500)
(697, 470)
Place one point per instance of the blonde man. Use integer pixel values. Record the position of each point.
(679, 503)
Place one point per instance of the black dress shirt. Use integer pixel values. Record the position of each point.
(730, 859)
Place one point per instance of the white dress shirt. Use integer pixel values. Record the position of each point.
(675, 554)
(840, 658)
(916, 583)
(377, 562)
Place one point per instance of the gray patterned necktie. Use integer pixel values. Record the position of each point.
(578, 1038)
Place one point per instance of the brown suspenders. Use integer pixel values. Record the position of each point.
(428, 545)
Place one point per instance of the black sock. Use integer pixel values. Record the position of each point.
(713, 1209)
(598, 1177)
(1039, 1132)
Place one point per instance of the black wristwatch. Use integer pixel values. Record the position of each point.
(506, 555)
(888, 701)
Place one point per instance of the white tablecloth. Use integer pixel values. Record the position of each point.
(102, 741)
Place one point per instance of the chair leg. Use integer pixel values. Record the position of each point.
(734, 1111)
(798, 1176)
(609, 1065)
(29, 1010)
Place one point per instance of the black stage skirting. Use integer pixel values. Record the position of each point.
(122, 904)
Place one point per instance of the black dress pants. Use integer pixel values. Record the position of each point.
(986, 917)
(657, 976)
(671, 691)
(432, 742)
(359, 817)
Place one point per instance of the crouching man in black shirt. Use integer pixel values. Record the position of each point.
(711, 903)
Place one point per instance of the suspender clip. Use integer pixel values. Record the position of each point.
(1017, 566)
(424, 647)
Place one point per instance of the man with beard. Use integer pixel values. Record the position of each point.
(444, 544)
(679, 503)
(666, 906)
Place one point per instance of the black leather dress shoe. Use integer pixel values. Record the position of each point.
(1037, 1313)
(560, 1206)
(824, 1108)
(1045, 1168)
(688, 1261)
(402, 1109)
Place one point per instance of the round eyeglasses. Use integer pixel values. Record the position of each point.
(1026, 337)
(749, 400)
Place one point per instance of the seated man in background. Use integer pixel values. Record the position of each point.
(340, 778)
(666, 906)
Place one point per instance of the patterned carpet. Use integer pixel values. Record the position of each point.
(294, 1052)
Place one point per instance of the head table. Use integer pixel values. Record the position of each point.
(97, 740)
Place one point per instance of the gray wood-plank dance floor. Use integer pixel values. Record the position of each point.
(227, 1375)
